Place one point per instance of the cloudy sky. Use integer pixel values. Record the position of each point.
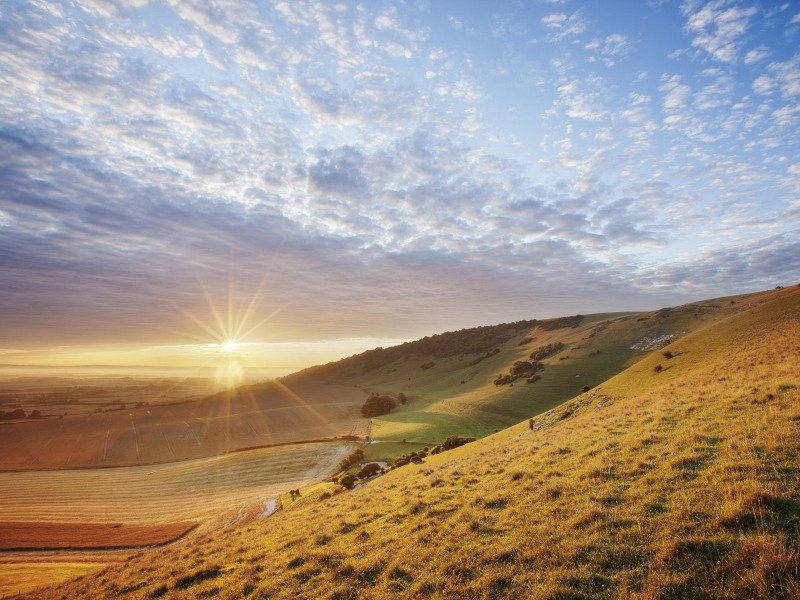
(383, 170)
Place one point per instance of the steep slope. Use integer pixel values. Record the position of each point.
(679, 482)
(450, 378)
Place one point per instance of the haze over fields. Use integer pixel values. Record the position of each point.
(412, 299)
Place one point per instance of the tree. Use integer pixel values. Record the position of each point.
(401, 397)
(348, 481)
(378, 404)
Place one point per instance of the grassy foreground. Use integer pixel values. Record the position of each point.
(657, 484)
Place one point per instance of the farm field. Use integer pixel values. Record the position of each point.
(201, 490)
(23, 577)
(252, 416)
(42, 535)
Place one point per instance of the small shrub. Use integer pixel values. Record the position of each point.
(585, 389)
(417, 508)
(368, 470)
(530, 423)
(543, 352)
(348, 481)
(353, 459)
(658, 368)
(427, 365)
(667, 354)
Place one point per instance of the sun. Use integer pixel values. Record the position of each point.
(229, 346)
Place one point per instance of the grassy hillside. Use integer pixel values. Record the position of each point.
(678, 482)
(449, 378)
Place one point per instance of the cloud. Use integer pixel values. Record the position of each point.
(756, 54)
(581, 104)
(561, 25)
(718, 27)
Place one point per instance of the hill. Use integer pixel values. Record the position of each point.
(449, 378)
(676, 478)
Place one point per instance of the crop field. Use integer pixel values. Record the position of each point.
(195, 490)
(41, 535)
(258, 416)
(22, 577)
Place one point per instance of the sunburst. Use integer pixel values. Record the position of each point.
(224, 339)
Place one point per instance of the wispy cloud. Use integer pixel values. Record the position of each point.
(718, 26)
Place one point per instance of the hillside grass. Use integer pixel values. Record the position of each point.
(653, 485)
(456, 398)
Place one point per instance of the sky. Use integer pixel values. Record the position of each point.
(312, 179)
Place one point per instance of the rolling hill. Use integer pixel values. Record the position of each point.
(677, 477)
(450, 378)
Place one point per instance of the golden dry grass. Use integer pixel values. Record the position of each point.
(678, 484)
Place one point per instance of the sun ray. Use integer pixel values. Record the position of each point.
(282, 386)
(253, 301)
(261, 322)
(205, 327)
(229, 331)
(214, 311)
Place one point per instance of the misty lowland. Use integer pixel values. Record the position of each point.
(399, 299)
